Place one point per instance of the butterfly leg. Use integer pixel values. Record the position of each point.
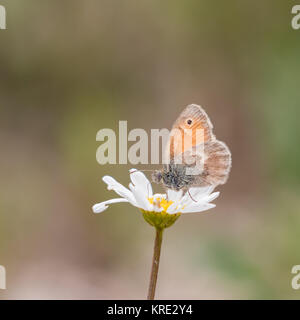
(191, 195)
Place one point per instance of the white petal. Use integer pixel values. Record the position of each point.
(174, 195)
(203, 203)
(141, 198)
(140, 181)
(173, 208)
(199, 208)
(213, 196)
(195, 200)
(102, 206)
(112, 184)
(207, 198)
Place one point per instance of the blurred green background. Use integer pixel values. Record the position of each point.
(69, 68)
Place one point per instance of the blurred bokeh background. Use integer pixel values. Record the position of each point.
(69, 68)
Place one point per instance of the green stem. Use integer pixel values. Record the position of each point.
(155, 263)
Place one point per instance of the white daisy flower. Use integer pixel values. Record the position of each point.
(160, 210)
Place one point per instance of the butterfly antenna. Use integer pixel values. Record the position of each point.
(141, 171)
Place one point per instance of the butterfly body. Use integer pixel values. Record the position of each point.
(173, 176)
(192, 145)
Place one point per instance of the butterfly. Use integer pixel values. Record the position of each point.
(195, 157)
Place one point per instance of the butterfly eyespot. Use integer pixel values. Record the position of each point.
(189, 122)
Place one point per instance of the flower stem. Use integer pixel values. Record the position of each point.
(155, 263)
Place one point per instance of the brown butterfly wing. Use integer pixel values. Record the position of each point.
(217, 164)
(184, 134)
(214, 161)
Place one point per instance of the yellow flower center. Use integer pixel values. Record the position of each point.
(160, 220)
(161, 203)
